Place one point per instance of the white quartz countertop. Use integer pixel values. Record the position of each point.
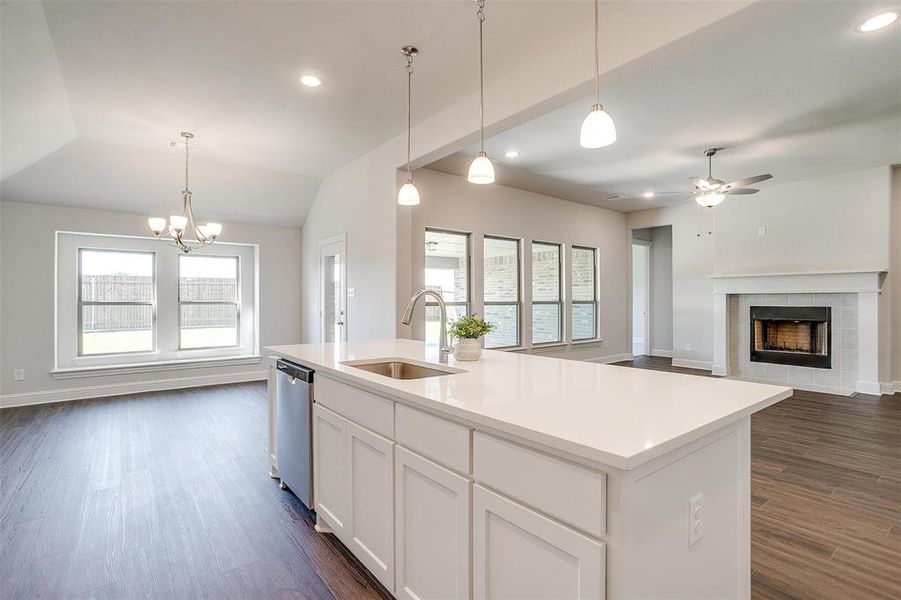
(612, 415)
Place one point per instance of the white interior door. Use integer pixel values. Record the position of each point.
(641, 284)
(333, 289)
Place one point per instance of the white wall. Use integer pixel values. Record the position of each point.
(661, 290)
(26, 340)
(894, 282)
(359, 200)
(640, 296)
(834, 223)
(450, 202)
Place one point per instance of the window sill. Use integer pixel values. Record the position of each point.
(549, 345)
(588, 341)
(147, 367)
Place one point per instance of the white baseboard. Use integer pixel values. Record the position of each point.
(890, 387)
(701, 365)
(116, 389)
(798, 386)
(612, 358)
(661, 353)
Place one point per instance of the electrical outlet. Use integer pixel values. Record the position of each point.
(695, 518)
(688, 347)
(761, 231)
(351, 292)
(19, 374)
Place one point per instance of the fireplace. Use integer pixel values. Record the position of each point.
(792, 335)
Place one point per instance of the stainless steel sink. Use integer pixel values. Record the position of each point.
(399, 369)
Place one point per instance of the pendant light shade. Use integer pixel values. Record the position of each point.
(710, 200)
(408, 195)
(481, 169)
(598, 129)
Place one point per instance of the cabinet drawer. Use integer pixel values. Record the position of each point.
(434, 437)
(361, 407)
(572, 493)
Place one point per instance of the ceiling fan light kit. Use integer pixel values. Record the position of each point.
(184, 223)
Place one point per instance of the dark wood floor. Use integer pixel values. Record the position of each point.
(160, 495)
(826, 495)
(165, 495)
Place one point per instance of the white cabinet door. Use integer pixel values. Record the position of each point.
(432, 529)
(371, 470)
(331, 493)
(518, 553)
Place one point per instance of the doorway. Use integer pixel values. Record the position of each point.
(641, 297)
(333, 289)
(652, 291)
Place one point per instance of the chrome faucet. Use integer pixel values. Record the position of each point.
(443, 345)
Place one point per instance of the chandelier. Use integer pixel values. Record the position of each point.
(181, 225)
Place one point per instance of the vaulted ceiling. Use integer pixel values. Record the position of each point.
(94, 91)
(787, 87)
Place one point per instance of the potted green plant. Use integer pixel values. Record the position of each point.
(468, 331)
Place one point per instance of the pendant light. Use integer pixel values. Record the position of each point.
(204, 235)
(408, 195)
(481, 170)
(598, 129)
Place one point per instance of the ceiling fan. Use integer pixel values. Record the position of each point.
(710, 191)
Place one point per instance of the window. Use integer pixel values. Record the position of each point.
(447, 272)
(125, 302)
(584, 293)
(547, 313)
(207, 301)
(115, 302)
(501, 291)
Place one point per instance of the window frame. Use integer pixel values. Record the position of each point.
(561, 319)
(519, 289)
(595, 270)
(236, 303)
(66, 363)
(467, 304)
(81, 303)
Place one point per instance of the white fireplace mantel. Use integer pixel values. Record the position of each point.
(823, 282)
(867, 284)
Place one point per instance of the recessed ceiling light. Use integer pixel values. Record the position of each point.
(648, 194)
(512, 154)
(878, 22)
(311, 81)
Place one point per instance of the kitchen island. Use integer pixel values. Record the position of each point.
(525, 476)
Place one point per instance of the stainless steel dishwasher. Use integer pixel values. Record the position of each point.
(293, 430)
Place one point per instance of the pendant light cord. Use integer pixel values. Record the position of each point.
(597, 52)
(481, 15)
(186, 164)
(409, 111)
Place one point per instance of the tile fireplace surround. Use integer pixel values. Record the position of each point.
(854, 300)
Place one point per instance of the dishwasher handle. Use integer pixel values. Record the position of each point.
(295, 372)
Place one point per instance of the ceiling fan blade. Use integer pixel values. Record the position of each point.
(748, 181)
(741, 191)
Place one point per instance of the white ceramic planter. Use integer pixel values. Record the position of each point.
(468, 350)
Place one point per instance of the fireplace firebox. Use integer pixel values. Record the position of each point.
(792, 335)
